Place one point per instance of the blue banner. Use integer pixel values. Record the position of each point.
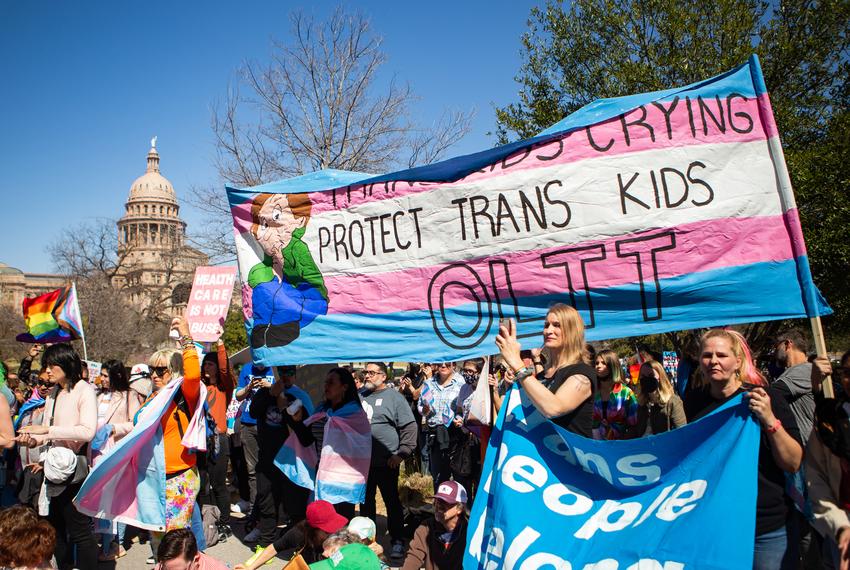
(553, 499)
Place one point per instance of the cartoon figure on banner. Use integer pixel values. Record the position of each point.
(288, 290)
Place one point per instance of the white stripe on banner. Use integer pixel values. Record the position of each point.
(583, 201)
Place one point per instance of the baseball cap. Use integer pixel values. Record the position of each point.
(140, 371)
(363, 527)
(350, 557)
(451, 492)
(321, 515)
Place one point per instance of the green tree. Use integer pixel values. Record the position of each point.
(235, 338)
(589, 49)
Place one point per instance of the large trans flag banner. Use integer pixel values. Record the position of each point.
(553, 499)
(654, 212)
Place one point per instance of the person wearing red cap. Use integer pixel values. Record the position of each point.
(321, 522)
(439, 542)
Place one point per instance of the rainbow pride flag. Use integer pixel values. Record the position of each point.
(52, 317)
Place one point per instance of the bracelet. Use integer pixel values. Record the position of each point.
(523, 373)
(775, 427)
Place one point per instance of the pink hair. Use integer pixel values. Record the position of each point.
(749, 373)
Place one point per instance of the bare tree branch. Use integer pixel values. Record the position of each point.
(317, 103)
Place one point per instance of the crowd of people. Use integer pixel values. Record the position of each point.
(307, 473)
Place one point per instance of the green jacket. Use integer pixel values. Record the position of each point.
(298, 266)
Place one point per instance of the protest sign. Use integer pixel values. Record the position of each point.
(209, 302)
(93, 368)
(649, 213)
(552, 499)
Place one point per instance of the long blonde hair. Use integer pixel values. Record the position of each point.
(665, 387)
(572, 331)
(748, 373)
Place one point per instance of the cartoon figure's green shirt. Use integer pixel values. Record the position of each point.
(298, 266)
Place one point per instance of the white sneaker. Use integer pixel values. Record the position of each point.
(242, 506)
(252, 536)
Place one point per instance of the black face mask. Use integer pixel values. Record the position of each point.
(469, 377)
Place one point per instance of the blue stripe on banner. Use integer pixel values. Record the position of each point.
(740, 80)
(312, 182)
(732, 295)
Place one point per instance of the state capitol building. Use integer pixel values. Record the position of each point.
(156, 266)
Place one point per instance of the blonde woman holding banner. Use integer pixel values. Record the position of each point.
(727, 368)
(564, 392)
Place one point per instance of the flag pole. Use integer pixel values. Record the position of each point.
(820, 347)
(82, 328)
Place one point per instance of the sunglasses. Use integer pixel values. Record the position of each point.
(158, 371)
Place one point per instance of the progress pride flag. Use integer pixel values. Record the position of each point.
(648, 213)
(209, 302)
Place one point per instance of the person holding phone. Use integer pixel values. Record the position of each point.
(251, 378)
(727, 368)
(564, 392)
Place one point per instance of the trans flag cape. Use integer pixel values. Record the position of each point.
(128, 483)
(340, 475)
(649, 213)
(552, 499)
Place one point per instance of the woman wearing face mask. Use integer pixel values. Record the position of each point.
(465, 450)
(615, 406)
(660, 408)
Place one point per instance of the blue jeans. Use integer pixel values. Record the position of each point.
(772, 552)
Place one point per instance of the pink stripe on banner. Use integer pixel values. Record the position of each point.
(732, 120)
(767, 120)
(699, 246)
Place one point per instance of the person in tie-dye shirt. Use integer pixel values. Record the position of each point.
(615, 405)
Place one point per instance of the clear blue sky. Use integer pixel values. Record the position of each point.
(87, 84)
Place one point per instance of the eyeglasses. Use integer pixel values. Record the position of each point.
(371, 372)
(470, 370)
(158, 371)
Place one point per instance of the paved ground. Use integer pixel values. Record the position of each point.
(231, 552)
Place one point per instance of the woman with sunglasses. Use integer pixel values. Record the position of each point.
(564, 392)
(182, 481)
(31, 413)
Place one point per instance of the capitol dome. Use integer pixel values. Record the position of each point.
(152, 185)
(151, 214)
